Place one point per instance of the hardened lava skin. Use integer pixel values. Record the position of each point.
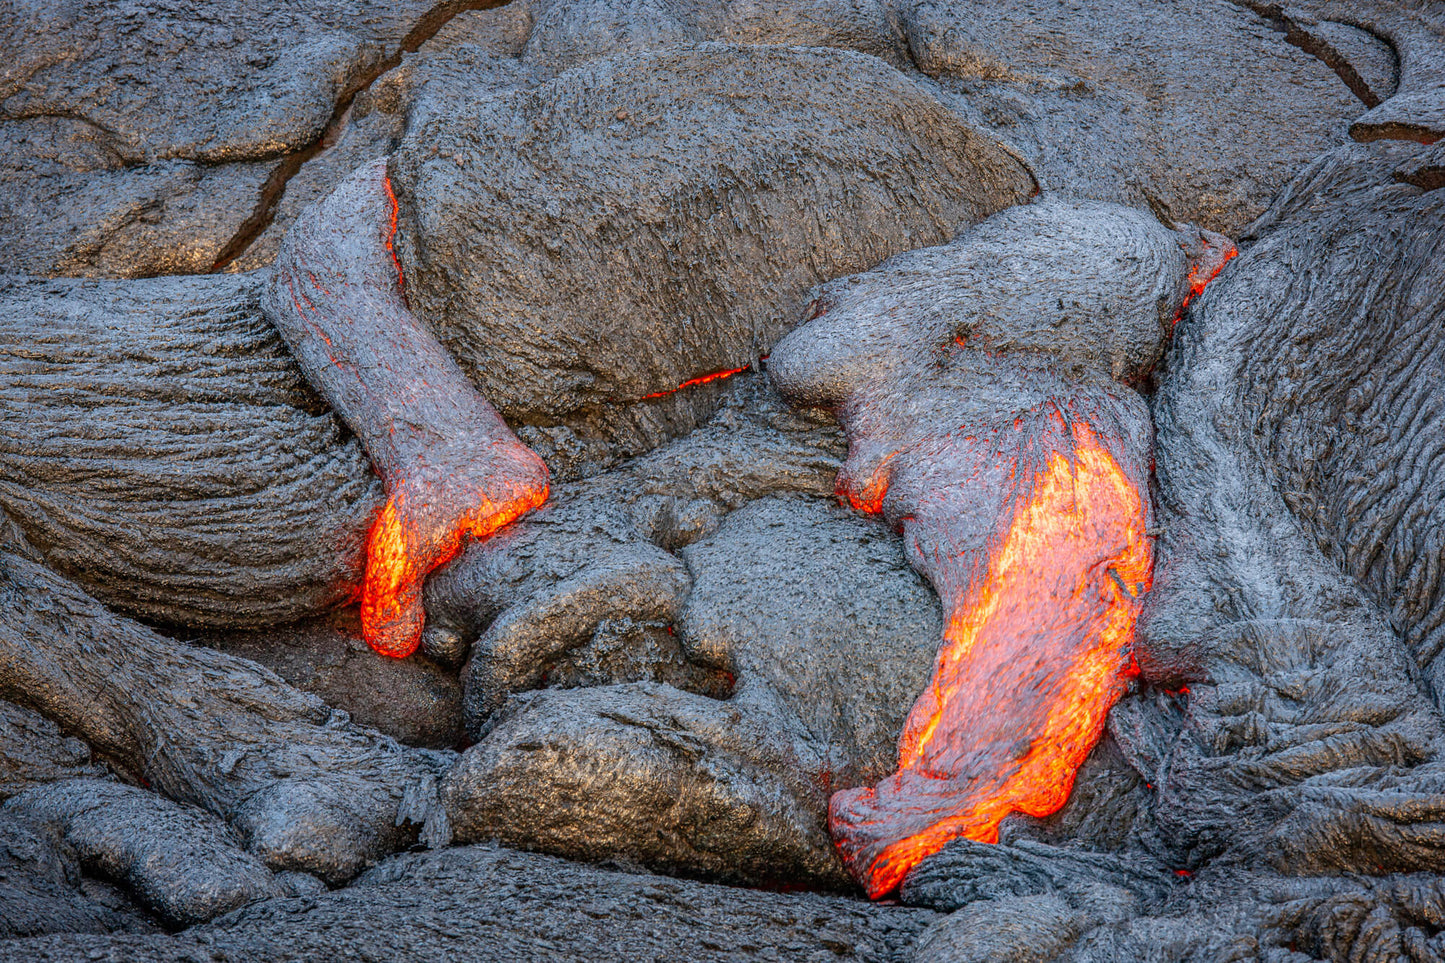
(983, 388)
(451, 465)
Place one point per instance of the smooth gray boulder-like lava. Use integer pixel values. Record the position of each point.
(979, 454)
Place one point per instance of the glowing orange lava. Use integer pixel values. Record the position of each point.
(391, 235)
(700, 380)
(1033, 656)
(1198, 282)
(399, 554)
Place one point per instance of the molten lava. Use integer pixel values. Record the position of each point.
(1201, 272)
(451, 465)
(700, 380)
(391, 236)
(1034, 654)
(402, 548)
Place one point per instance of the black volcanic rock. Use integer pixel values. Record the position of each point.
(806, 621)
(565, 33)
(680, 657)
(1296, 767)
(305, 788)
(33, 750)
(1202, 109)
(507, 906)
(182, 864)
(416, 701)
(159, 446)
(826, 635)
(138, 137)
(43, 888)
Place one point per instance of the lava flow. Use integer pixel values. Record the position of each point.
(1033, 656)
(1204, 269)
(451, 465)
(993, 424)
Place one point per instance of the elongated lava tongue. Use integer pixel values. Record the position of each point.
(1040, 569)
(980, 387)
(451, 465)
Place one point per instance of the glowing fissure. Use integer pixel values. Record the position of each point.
(700, 380)
(391, 236)
(1034, 654)
(1201, 273)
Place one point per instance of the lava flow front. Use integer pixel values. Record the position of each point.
(1035, 652)
(451, 465)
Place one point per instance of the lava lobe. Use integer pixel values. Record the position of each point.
(982, 385)
(451, 465)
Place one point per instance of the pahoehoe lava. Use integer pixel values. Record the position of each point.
(793, 452)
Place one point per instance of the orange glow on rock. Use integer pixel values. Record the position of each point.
(1202, 272)
(700, 380)
(1034, 655)
(399, 554)
(391, 235)
(451, 465)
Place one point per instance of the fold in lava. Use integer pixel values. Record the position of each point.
(451, 465)
(1036, 649)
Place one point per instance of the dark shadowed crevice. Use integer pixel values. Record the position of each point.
(1318, 47)
(275, 185)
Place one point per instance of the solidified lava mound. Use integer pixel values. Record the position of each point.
(978, 454)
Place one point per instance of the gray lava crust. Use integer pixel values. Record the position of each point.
(675, 663)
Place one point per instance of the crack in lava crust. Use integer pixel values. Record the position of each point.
(1033, 658)
(452, 467)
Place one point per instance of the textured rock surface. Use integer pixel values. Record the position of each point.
(306, 789)
(502, 905)
(416, 701)
(158, 445)
(623, 254)
(43, 889)
(137, 138)
(678, 659)
(1413, 107)
(1202, 108)
(1247, 599)
(812, 699)
(182, 864)
(33, 750)
(565, 33)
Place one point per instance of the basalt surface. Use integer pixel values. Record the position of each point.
(624, 255)
(826, 318)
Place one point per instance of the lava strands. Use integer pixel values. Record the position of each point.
(451, 465)
(983, 388)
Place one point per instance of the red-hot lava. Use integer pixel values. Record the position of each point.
(451, 465)
(1204, 269)
(983, 388)
(700, 380)
(1035, 652)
